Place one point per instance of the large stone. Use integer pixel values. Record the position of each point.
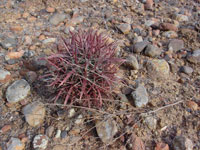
(168, 27)
(17, 91)
(139, 47)
(176, 45)
(34, 113)
(8, 42)
(106, 129)
(158, 69)
(140, 96)
(131, 62)
(182, 143)
(57, 18)
(152, 51)
(194, 57)
(4, 75)
(15, 144)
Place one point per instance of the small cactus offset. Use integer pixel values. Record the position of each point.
(82, 72)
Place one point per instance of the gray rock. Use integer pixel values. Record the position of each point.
(186, 69)
(15, 144)
(63, 134)
(131, 62)
(140, 96)
(176, 45)
(151, 122)
(194, 57)
(158, 69)
(152, 51)
(49, 131)
(139, 47)
(57, 18)
(124, 28)
(8, 42)
(182, 143)
(34, 113)
(137, 39)
(106, 129)
(40, 142)
(4, 75)
(17, 91)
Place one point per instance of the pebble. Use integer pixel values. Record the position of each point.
(79, 120)
(186, 69)
(124, 28)
(168, 27)
(15, 144)
(194, 57)
(131, 62)
(170, 34)
(63, 134)
(5, 76)
(8, 42)
(49, 131)
(140, 96)
(68, 29)
(158, 69)
(176, 45)
(17, 91)
(30, 76)
(75, 21)
(192, 105)
(16, 28)
(148, 5)
(162, 146)
(49, 40)
(106, 129)
(136, 143)
(40, 142)
(5, 128)
(182, 143)
(50, 9)
(152, 51)
(137, 39)
(57, 18)
(34, 113)
(149, 23)
(58, 134)
(139, 47)
(28, 40)
(151, 122)
(182, 18)
(71, 113)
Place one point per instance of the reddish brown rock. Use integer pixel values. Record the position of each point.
(192, 105)
(137, 143)
(148, 5)
(50, 9)
(5, 128)
(16, 28)
(162, 146)
(168, 27)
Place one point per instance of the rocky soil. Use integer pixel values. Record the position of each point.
(157, 106)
